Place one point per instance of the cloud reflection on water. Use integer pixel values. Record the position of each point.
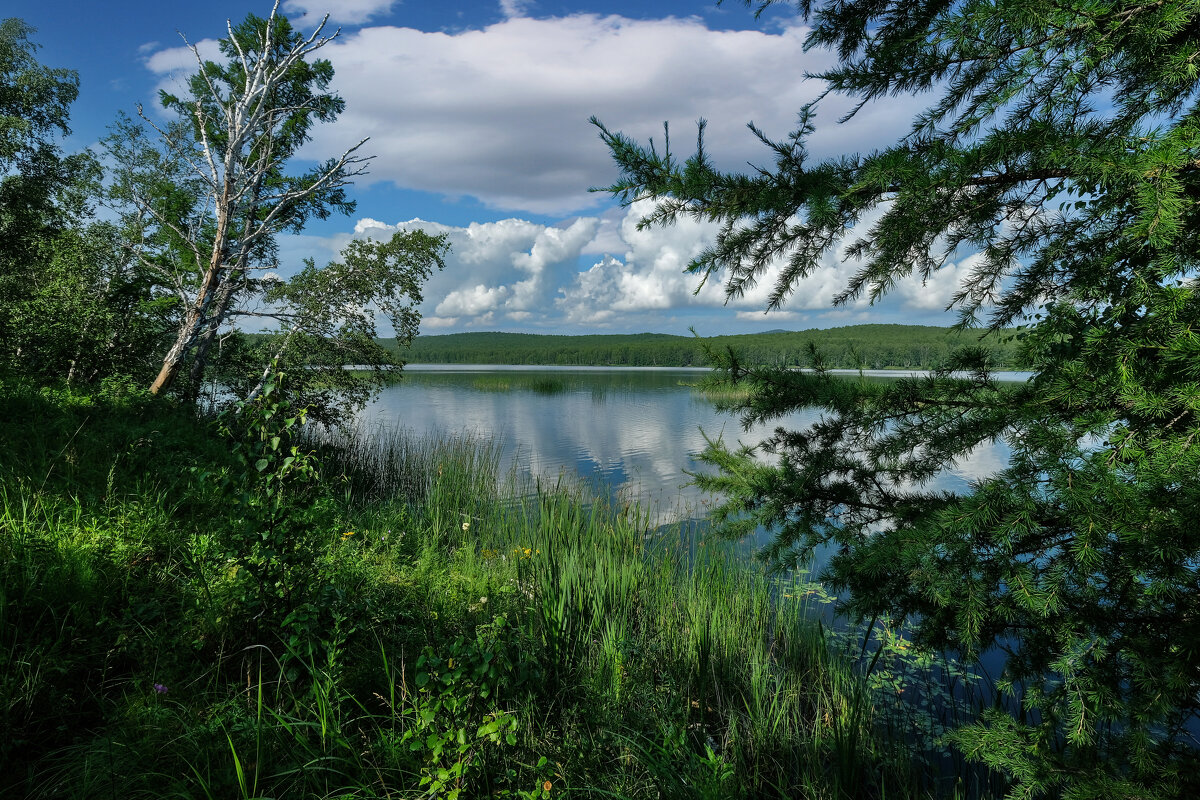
(631, 432)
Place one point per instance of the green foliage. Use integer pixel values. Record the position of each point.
(204, 195)
(69, 306)
(1060, 146)
(140, 659)
(91, 313)
(453, 725)
(271, 488)
(851, 347)
(328, 322)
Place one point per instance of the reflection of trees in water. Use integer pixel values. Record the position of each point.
(626, 433)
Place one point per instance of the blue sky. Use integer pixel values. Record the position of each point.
(477, 116)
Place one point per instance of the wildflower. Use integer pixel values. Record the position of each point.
(347, 534)
(466, 526)
(160, 689)
(546, 786)
(527, 552)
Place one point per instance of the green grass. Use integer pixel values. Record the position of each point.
(719, 392)
(540, 384)
(427, 628)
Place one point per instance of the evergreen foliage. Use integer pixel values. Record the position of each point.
(1060, 143)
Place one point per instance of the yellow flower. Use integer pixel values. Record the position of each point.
(527, 552)
(546, 786)
(347, 534)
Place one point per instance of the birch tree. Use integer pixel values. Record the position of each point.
(206, 192)
(328, 319)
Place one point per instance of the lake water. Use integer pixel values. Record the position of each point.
(631, 432)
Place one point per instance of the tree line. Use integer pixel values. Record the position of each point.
(850, 347)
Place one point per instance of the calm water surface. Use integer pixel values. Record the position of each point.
(633, 432)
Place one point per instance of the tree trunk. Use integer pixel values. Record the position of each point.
(208, 334)
(196, 315)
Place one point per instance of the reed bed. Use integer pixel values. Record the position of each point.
(540, 384)
(435, 631)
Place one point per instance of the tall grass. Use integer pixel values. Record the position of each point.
(541, 384)
(454, 635)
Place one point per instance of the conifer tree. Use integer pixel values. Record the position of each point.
(1061, 142)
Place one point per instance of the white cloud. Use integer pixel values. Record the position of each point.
(510, 269)
(175, 60)
(651, 276)
(530, 276)
(474, 301)
(935, 292)
(350, 12)
(514, 8)
(771, 316)
(438, 322)
(500, 113)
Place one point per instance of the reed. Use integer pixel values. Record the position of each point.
(540, 384)
(452, 632)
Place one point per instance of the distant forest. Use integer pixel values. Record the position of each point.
(869, 346)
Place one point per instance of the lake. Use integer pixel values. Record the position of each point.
(631, 432)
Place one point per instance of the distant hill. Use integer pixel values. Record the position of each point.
(879, 346)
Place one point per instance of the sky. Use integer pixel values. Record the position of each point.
(477, 117)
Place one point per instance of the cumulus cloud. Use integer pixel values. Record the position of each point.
(936, 292)
(349, 12)
(508, 270)
(651, 275)
(501, 113)
(520, 275)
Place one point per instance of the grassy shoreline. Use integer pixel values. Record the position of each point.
(402, 626)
